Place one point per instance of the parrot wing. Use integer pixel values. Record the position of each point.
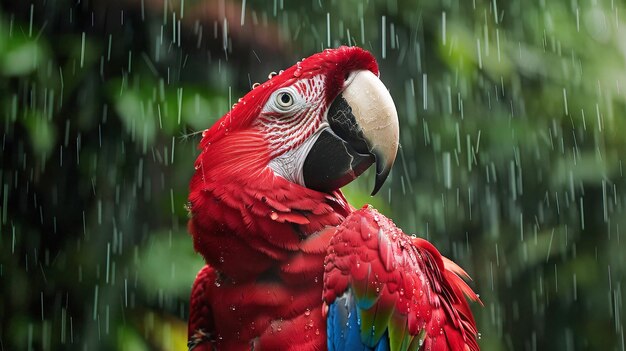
(384, 290)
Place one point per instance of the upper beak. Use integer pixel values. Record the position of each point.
(363, 129)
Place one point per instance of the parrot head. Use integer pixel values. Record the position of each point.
(319, 124)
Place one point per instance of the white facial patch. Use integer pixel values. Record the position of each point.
(289, 165)
(290, 122)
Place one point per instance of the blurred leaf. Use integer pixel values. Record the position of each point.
(169, 264)
(137, 116)
(146, 108)
(128, 339)
(20, 57)
(42, 133)
(167, 333)
(588, 168)
(200, 111)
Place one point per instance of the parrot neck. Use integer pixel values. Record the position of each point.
(247, 221)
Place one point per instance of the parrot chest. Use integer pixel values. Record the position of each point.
(277, 309)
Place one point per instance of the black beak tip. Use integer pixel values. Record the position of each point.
(382, 172)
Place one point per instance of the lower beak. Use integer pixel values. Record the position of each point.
(363, 129)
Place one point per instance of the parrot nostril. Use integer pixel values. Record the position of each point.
(346, 76)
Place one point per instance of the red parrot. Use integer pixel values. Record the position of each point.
(290, 264)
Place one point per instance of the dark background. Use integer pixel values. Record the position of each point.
(513, 122)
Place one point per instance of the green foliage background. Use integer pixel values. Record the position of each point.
(512, 114)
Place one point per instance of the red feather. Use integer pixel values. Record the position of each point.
(201, 328)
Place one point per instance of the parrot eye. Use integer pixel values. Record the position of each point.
(284, 99)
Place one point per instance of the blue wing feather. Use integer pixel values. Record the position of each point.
(344, 327)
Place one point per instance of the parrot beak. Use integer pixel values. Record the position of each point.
(363, 129)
